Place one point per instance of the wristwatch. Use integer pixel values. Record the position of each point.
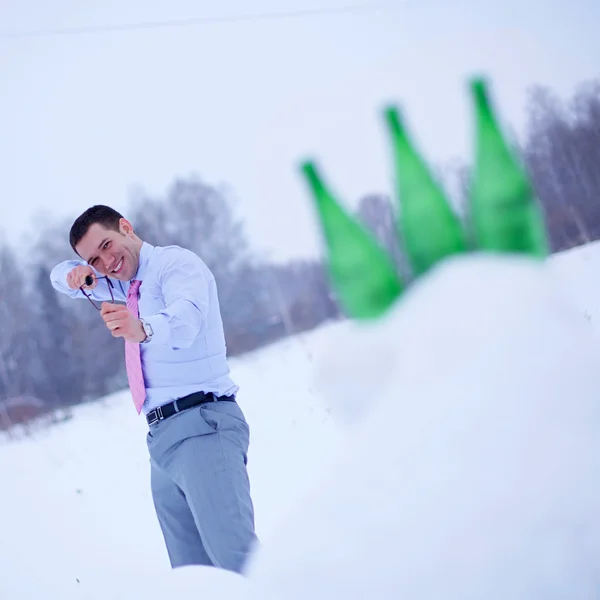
(147, 330)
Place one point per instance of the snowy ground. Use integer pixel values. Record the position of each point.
(76, 501)
(368, 474)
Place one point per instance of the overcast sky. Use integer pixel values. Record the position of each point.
(87, 118)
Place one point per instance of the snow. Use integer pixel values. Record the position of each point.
(76, 500)
(450, 450)
(474, 474)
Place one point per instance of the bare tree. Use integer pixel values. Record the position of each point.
(377, 213)
(562, 149)
(15, 325)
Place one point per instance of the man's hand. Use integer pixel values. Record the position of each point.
(76, 277)
(122, 323)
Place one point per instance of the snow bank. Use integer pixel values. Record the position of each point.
(475, 470)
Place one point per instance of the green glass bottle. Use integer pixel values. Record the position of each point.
(504, 212)
(363, 275)
(427, 224)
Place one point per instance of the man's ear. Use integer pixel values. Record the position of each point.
(125, 227)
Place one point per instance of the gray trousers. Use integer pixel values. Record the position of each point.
(200, 486)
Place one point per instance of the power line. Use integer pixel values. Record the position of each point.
(192, 21)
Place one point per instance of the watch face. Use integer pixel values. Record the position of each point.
(147, 329)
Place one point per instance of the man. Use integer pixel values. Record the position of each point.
(175, 355)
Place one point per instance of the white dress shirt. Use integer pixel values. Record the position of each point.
(178, 298)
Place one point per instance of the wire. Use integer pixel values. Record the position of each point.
(192, 21)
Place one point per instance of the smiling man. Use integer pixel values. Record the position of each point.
(175, 355)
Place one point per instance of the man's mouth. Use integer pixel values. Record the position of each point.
(119, 266)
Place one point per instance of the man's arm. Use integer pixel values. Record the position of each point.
(100, 292)
(185, 284)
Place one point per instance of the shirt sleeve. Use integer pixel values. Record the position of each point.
(101, 293)
(185, 284)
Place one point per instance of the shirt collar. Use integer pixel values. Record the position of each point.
(145, 252)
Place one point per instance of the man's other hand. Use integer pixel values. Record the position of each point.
(122, 323)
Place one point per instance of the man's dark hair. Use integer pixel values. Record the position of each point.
(104, 215)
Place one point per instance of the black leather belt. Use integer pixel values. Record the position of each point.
(168, 410)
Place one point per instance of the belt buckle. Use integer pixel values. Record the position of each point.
(157, 415)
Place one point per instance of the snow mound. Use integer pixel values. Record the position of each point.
(474, 470)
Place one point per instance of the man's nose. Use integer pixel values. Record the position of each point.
(107, 262)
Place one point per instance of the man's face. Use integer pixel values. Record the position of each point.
(112, 253)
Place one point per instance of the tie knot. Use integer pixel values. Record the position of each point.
(134, 287)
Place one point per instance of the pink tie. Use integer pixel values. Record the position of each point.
(133, 362)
